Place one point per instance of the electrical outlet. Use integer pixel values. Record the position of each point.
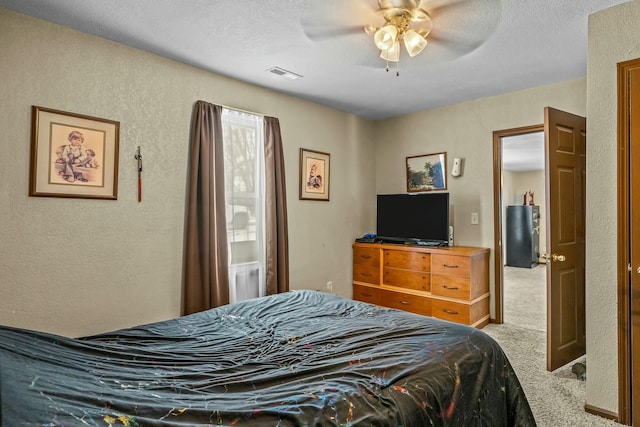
(474, 218)
(330, 285)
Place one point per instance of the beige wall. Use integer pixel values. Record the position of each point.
(613, 38)
(74, 266)
(466, 130)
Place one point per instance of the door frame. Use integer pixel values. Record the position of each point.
(497, 214)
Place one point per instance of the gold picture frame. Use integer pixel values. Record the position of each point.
(73, 155)
(314, 175)
(427, 172)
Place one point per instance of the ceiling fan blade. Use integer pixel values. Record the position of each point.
(320, 33)
(449, 47)
(461, 26)
(336, 18)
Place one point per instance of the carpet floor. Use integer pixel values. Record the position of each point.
(557, 398)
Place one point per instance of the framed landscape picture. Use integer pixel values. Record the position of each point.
(73, 155)
(427, 172)
(314, 175)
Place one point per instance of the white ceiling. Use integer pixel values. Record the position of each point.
(478, 48)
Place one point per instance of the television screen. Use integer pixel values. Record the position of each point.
(421, 217)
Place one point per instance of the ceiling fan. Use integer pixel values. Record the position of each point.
(404, 20)
(451, 28)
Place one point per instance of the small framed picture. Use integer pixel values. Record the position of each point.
(427, 172)
(73, 155)
(314, 175)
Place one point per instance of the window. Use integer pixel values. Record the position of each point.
(243, 142)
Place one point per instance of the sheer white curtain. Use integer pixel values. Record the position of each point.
(243, 136)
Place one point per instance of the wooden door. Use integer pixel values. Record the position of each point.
(628, 242)
(565, 139)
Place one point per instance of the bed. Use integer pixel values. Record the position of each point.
(301, 358)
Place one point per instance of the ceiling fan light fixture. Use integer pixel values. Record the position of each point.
(403, 20)
(414, 42)
(392, 54)
(386, 37)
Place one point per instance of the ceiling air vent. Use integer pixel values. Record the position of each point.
(284, 73)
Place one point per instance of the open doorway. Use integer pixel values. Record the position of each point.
(522, 196)
(565, 139)
(524, 230)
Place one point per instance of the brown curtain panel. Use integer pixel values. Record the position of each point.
(206, 271)
(277, 240)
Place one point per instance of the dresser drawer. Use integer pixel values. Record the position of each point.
(366, 273)
(451, 311)
(366, 294)
(407, 302)
(407, 279)
(451, 265)
(366, 256)
(450, 287)
(467, 314)
(407, 260)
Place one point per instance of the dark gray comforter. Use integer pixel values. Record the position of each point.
(302, 358)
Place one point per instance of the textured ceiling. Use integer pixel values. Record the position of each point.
(478, 48)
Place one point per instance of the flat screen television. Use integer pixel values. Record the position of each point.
(413, 218)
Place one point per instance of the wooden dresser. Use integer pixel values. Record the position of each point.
(450, 283)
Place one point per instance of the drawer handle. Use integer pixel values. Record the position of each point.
(449, 311)
(405, 302)
(367, 274)
(453, 288)
(366, 256)
(449, 266)
(367, 295)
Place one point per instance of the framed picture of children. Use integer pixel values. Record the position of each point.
(314, 175)
(73, 155)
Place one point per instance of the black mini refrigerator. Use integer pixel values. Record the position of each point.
(523, 235)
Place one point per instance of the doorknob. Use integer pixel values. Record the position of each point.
(558, 258)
